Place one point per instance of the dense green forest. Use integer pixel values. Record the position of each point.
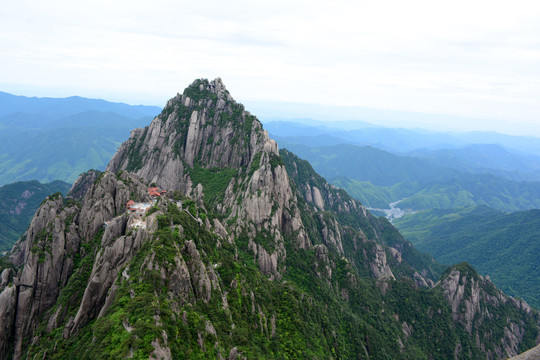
(18, 203)
(503, 246)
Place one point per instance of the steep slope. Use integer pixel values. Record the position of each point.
(250, 254)
(485, 238)
(18, 203)
(205, 138)
(478, 305)
(343, 224)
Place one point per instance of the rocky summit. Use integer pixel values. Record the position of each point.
(203, 240)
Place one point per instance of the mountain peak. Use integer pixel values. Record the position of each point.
(203, 88)
(202, 127)
(208, 147)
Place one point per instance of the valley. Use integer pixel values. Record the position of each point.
(91, 131)
(474, 203)
(394, 212)
(505, 246)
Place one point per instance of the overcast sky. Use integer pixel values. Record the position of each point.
(472, 58)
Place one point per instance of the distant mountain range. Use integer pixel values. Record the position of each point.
(485, 158)
(60, 107)
(46, 139)
(479, 151)
(378, 178)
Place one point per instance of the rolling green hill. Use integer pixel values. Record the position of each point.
(46, 139)
(503, 246)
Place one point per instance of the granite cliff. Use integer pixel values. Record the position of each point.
(248, 254)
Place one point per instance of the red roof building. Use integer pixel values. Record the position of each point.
(130, 203)
(155, 192)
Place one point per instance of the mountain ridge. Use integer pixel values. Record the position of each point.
(10, 103)
(239, 259)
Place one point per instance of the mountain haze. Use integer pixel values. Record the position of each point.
(49, 139)
(378, 178)
(60, 107)
(249, 254)
(397, 140)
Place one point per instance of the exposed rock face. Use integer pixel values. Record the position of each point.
(52, 242)
(8, 305)
(205, 128)
(117, 250)
(199, 276)
(108, 198)
(185, 132)
(346, 224)
(475, 302)
(379, 266)
(82, 184)
(50, 245)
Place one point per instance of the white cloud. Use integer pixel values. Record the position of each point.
(472, 58)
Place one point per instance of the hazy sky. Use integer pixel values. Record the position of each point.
(469, 58)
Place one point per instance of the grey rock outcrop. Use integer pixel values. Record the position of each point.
(200, 281)
(49, 248)
(215, 132)
(82, 184)
(343, 220)
(50, 245)
(117, 249)
(475, 301)
(378, 265)
(532, 354)
(184, 134)
(107, 198)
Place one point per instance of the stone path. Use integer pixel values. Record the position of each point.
(532, 354)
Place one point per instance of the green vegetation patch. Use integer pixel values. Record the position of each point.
(135, 158)
(214, 181)
(485, 238)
